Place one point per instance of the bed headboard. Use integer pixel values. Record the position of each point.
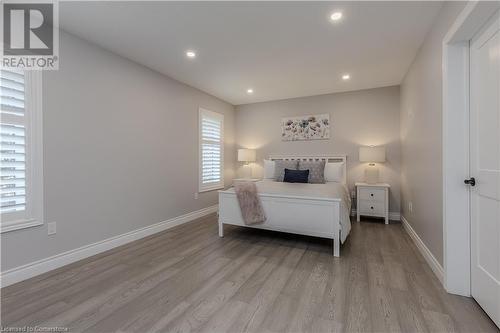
(326, 158)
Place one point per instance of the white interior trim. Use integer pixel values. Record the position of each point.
(456, 215)
(36, 142)
(424, 250)
(19, 224)
(30, 270)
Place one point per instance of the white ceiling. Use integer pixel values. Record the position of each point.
(280, 49)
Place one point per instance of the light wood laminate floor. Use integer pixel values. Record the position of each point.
(188, 279)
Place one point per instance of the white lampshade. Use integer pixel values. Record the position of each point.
(246, 155)
(372, 154)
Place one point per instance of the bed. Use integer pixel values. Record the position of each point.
(319, 210)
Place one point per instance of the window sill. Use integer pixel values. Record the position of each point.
(19, 224)
(212, 188)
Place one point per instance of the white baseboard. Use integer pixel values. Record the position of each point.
(424, 250)
(393, 216)
(38, 267)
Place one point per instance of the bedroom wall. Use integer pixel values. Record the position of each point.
(365, 117)
(120, 151)
(421, 135)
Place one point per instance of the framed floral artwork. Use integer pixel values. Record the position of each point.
(314, 127)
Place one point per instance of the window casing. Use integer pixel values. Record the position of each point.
(211, 150)
(21, 150)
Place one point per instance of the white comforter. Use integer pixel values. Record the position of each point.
(330, 190)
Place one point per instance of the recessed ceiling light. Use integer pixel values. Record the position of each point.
(190, 54)
(250, 91)
(336, 16)
(346, 77)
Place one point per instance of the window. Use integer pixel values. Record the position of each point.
(21, 149)
(211, 129)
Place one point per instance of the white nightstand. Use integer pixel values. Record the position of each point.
(373, 200)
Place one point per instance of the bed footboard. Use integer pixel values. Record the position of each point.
(318, 217)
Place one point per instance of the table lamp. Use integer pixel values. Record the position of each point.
(247, 156)
(372, 155)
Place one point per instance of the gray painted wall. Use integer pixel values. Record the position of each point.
(120, 151)
(365, 117)
(421, 135)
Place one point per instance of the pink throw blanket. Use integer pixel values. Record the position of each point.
(250, 205)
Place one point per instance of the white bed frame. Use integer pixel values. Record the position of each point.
(311, 216)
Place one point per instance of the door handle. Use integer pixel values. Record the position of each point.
(471, 181)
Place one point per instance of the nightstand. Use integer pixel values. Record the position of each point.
(372, 200)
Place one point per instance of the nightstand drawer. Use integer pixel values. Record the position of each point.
(371, 207)
(372, 194)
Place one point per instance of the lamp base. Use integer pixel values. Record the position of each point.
(371, 175)
(247, 171)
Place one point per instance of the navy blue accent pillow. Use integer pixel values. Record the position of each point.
(296, 176)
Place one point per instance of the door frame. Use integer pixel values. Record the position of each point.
(456, 200)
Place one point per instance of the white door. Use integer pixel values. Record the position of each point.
(485, 167)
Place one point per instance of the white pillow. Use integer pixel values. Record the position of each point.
(269, 169)
(334, 172)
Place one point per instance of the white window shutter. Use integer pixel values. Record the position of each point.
(211, 127)
(21, 161)
(13, 141)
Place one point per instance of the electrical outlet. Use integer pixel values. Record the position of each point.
(195, 195)
(410, 206)
(52, 228)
